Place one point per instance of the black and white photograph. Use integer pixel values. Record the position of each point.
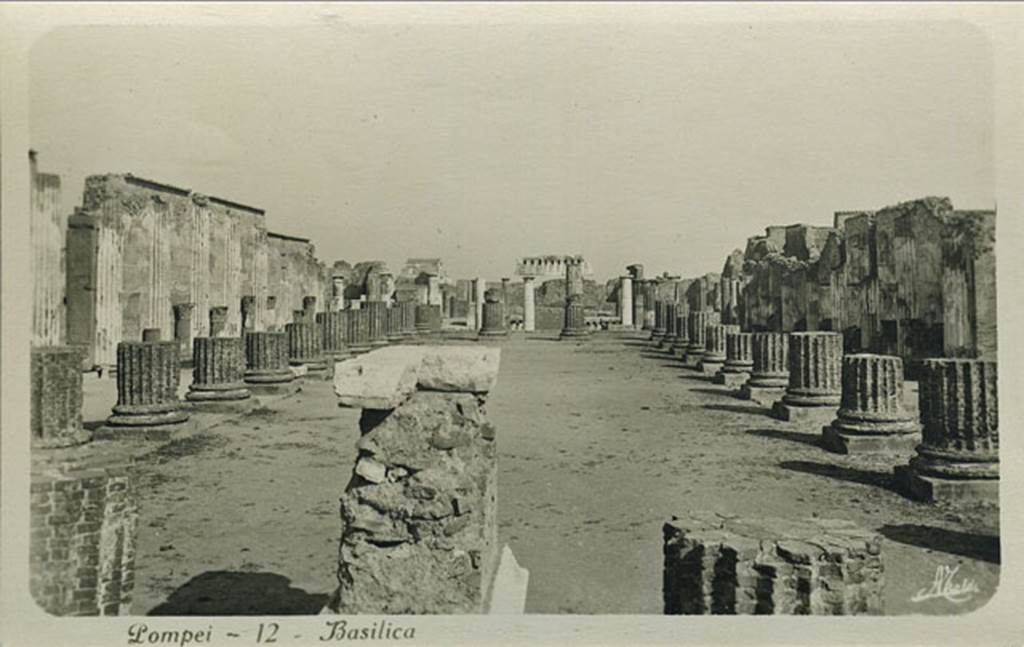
(325, 319)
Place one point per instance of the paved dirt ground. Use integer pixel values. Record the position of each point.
(600, 442)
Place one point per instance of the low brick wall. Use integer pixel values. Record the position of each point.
(419, 513)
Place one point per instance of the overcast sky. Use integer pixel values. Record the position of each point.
(663, 143)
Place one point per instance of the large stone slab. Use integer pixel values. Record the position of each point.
(384, 378)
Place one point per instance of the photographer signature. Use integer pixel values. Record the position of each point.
(943, 586)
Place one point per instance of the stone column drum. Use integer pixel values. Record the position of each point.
(266, 359)
(408, 318)
(626, 301)
(378, 311)
(575, 326)
(359, 331)
(334, 331)
(669, 340)
(714, 355)
(660, 316)
(739, 360)
(529, 304)
(479, 287)
(815, 378)
(393, 324)
(871, 415)
(697, 327)
(682, 331)
(638, 305)
(494, 316)
(56, 408)
(428, 319)
(148, 376)
(183, 328)
(651, 290)
(728, 565)
(218, 320)
(958, 458)
(217, 374)
(306, 346)
(770, 373)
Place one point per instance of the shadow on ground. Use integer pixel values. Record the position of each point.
(882, 480)
(792, 436)
(749, 409)
(973, 546)
(227, 593)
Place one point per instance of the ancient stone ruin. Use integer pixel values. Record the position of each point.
(419, 514)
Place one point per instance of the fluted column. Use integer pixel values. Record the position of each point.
(147, 390)
(305, 346)
(218, 320)
(358, 331)
(218, 365)
(56, 408)
(183, 328)
(669, 339)
(639, 307)
(408, 318)
(871, 414)
(428, 319)
(739, 358)
(378, 312)
(626, 301)
(958, 457)
(650, 297)
(494, 316)
(660, 317)
(393, 324)
(771, 360)
(714, 347)
(815, 377)
(697, 328)
(334, 331)
(266, 359)
(529, 305)
(682, 340)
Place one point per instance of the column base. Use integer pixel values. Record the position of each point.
(731, 380)
(841, 442)
(225, 406)
(762, 395)
(816, 416)
(574, 333)
(359, 349)
(932, 489)
(709, 367)
(493, 333)
(378, 343)
(73, 439)
(159, 427)
(220, 393)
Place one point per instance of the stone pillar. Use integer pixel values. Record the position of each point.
(306, 346)
(309, 309)
(650, 297)
(334, 332)
(626, 301)
(148, 376)
(393, 324)
(770, 373)
(419, 515)
(669, 340)
(529, 305)
(872, 417)
(56, 408)
(739, 359)
(218, 320)
(428, 319)
(479, 286)
(266, 359)
(958, 458)
(682, 341)
(217, 374)
(183, 328)
(151, 334)
(494, 324)
(639, 305)
(815, 378)
(408, 318)
(433, 290)
(358, 331)
(660, 317)
(83, 529)
(378, 312)
(338, 293)
(575, 326)
(248, 315)
(505, 305)
(729, 565)
(714, 355)
(697, 328)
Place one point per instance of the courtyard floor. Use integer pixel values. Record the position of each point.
(599, 442)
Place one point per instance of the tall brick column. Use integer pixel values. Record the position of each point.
(815, 378)
(871, 415)
(148, 376)
(306, 346)
(248, 314)
(218, 320)
(183, 328)
(739, 359)
(378, 313)
(697, 327)
(682, 341)
(334, 331)
(266, 359)
(958, 458)
(728, 565)
(770, 374)
(420, 528)
(217, 374)
(358, 331)
(56, 409)
(494, 316)
(714, 355)
(393, 324)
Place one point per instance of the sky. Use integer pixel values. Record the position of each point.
(665, 143)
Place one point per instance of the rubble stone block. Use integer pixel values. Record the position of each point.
(717, 565)
(56, 409)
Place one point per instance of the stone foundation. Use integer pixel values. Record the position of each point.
(725, 565)
(419, 514)
(762, 395)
